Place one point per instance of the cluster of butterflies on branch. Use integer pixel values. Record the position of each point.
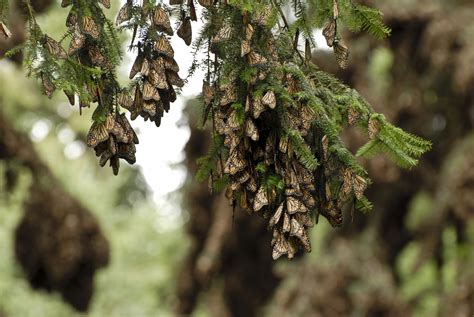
(261, 163)
(280, 155)
(154, 72)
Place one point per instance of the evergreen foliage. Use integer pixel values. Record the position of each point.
(276, 119)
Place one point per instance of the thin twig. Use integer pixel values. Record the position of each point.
(287, 26)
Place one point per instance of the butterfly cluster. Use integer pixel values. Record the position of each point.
(256, 152)
(264, 134)
(85, 47)
(111, 135)
(113, 140)
(155, 67)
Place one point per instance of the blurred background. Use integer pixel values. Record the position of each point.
(75, 240)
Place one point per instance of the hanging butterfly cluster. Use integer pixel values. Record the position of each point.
(110, 135)
(332, 38)
(112, 140)
(155, 63)
(262, 164)
(86, 48)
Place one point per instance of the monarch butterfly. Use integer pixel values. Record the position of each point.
(233, 121)
(158, 65)
(255, 59)
(242, 177)
(294, 205)
(48, 85)
(281, 246)
(251, 130)
(150, 92)
(163, 46)
(292, 84)
(207, 92)
(298, 231)
(89, 26)
(239, 180)
(123, 14)
(124, 100)
(373, 128)
(96, 56)
(308, 200)
(162, 21)
(235, 163)
(286, 227)
(359, 186)
(145, 69)
(304, 219)
(249, 31)
(115, 163)
(192, 10)
(329, 32)
(232, 140)
(66, 3)
(158, 79)
(137, 103)
(97, 134)
(269, 99)
(276, 216)
(305, 177)
(53, 47)
(347, 184)
(127, 152)
(229, 95)
(71, 19)
(173, 79)
(112, 145)
(308, 53)
(245, 48)
(306, 118)
(78, 40)
(158, 116)
(70, 96)
(325, 147)
(258, 108)
(123, 121)
(223, 34)
(332, 214)
(114, 128)
(137, 65)
(185, 31)
(170, 64)
(261, 199)
(104, 157)
(342, 54)
(105, 3)
(205, 3)
(220, 125)
(149, 109)
(252, 185)
(261, 16)
(352, 115)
